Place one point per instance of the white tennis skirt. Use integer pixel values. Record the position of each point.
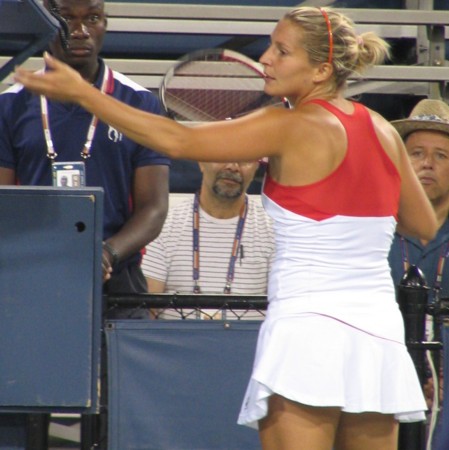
(319, 361)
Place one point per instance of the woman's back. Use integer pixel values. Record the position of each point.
(333, 236)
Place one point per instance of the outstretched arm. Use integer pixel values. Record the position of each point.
(248, 138)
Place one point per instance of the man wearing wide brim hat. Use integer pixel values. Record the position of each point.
(426, 115)
(426, 136)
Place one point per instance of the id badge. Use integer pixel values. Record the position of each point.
(68, 174)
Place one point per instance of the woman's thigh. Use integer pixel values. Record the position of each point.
(367, 431)
(293, 426)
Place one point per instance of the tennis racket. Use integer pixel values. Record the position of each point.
(214, 84)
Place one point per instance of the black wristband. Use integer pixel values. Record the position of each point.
(113, 252)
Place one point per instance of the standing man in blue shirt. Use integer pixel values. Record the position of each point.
(36, 134)
(426, 136)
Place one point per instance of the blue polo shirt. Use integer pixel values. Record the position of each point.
(114, 157)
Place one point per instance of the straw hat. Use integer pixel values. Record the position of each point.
(426, 115)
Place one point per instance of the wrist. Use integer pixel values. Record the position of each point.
(113, 253)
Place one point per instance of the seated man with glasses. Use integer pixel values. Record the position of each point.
(219, 241)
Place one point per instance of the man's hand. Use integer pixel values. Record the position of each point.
(107, 266)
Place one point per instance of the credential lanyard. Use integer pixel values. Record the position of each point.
(85, 153)
(196, 245)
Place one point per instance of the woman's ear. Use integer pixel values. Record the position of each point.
(324, 72)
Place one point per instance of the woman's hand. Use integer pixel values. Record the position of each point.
(58, 82)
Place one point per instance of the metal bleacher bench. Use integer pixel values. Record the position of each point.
(428, 76)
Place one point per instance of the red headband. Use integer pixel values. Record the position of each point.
(329, 33)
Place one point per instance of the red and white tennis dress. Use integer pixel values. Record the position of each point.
(333, 334)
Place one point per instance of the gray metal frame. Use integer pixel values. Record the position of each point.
(427, 77)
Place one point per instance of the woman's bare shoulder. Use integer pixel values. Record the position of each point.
(389, 138)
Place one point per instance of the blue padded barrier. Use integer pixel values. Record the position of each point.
(179, 384)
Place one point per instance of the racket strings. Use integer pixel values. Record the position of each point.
(208, 90)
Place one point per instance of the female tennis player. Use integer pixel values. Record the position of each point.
(331, 369)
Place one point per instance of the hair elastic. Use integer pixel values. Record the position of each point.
(329, 34)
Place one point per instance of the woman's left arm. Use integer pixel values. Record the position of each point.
(248, 138)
